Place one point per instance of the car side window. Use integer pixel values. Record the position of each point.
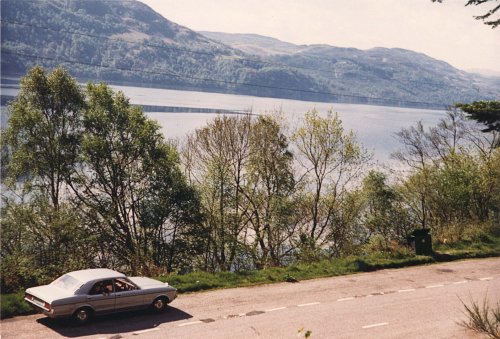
(122, 285)
(102, 287)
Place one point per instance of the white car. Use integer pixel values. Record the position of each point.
(83, 294)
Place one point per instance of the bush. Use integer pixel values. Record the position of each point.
(13, 304)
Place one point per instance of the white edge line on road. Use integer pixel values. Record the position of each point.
(190, 323)
(145, 331)
(434, 286)
(407, 290)
(460, 282)
(308, 304)
(487, 278)
(375, 325)
(345, 299)
(275, 309)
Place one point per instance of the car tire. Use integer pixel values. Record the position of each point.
(82, 315)
(159, 304)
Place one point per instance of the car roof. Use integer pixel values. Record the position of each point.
(95, 273)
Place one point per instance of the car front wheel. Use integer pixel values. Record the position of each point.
(82, 315)
(160, 304)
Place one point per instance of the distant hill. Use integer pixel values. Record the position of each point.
(129, 43)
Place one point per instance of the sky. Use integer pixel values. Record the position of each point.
(445, 31)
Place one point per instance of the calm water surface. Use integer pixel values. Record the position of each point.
(374, 125)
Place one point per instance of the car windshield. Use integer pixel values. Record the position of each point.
(67, 282)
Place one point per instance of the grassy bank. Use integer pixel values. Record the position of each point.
(13, 304)
(198, 281)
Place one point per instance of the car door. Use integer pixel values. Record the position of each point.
(102, 296)
(128, 295)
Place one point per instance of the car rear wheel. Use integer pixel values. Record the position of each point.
(82, 315)
(159, 305)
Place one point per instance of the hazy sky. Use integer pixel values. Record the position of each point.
(444, 31)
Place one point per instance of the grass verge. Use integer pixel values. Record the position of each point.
(13, 304)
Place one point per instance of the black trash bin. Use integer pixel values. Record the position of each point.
(420, 240)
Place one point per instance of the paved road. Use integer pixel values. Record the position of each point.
(416, 302)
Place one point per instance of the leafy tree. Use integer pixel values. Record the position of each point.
(215, 159)
(43, 131)
(384, 214)
(332, 160)
(129, 184)
(488, 16)
(269, 190)
(451, 185)
(42, 235)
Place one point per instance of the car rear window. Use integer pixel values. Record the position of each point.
(67, 282)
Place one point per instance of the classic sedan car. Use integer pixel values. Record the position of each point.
(83, 294)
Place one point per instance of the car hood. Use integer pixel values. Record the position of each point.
(49, 293)
(144, 282)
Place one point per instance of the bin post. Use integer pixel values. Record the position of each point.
(421, 242)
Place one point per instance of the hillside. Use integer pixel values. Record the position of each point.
(127, 42)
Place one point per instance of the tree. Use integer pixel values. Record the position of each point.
(215, 158)
(487, 18)
(269, 190)
(42, 235)
(487, 113)
(332, 160)
(452, 177)
(128, 183)
(44, 130)
(384, 215)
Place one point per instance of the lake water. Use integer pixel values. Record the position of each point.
(374, 125)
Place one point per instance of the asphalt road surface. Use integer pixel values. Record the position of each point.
(415, 302)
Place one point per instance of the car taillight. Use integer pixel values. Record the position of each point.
(47, 306)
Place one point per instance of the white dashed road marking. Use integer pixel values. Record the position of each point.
(407, 290)
(345, 299)
(434, 286)
(275, 309)
(460, 282)
(308, 304)
(145, 331)
(487, 278)
(190, 323)
(375, 325)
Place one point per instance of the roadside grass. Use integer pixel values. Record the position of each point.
(489, 246)
(198, 281)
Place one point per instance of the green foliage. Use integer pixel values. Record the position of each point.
(130, 182)
(91, 182)
(43, 131)
(485, 112)
(331, 160)
(385, 215)
(13, 305)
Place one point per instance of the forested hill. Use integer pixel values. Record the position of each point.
(128, 42)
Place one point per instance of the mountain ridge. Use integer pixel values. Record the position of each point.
(128, 42)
